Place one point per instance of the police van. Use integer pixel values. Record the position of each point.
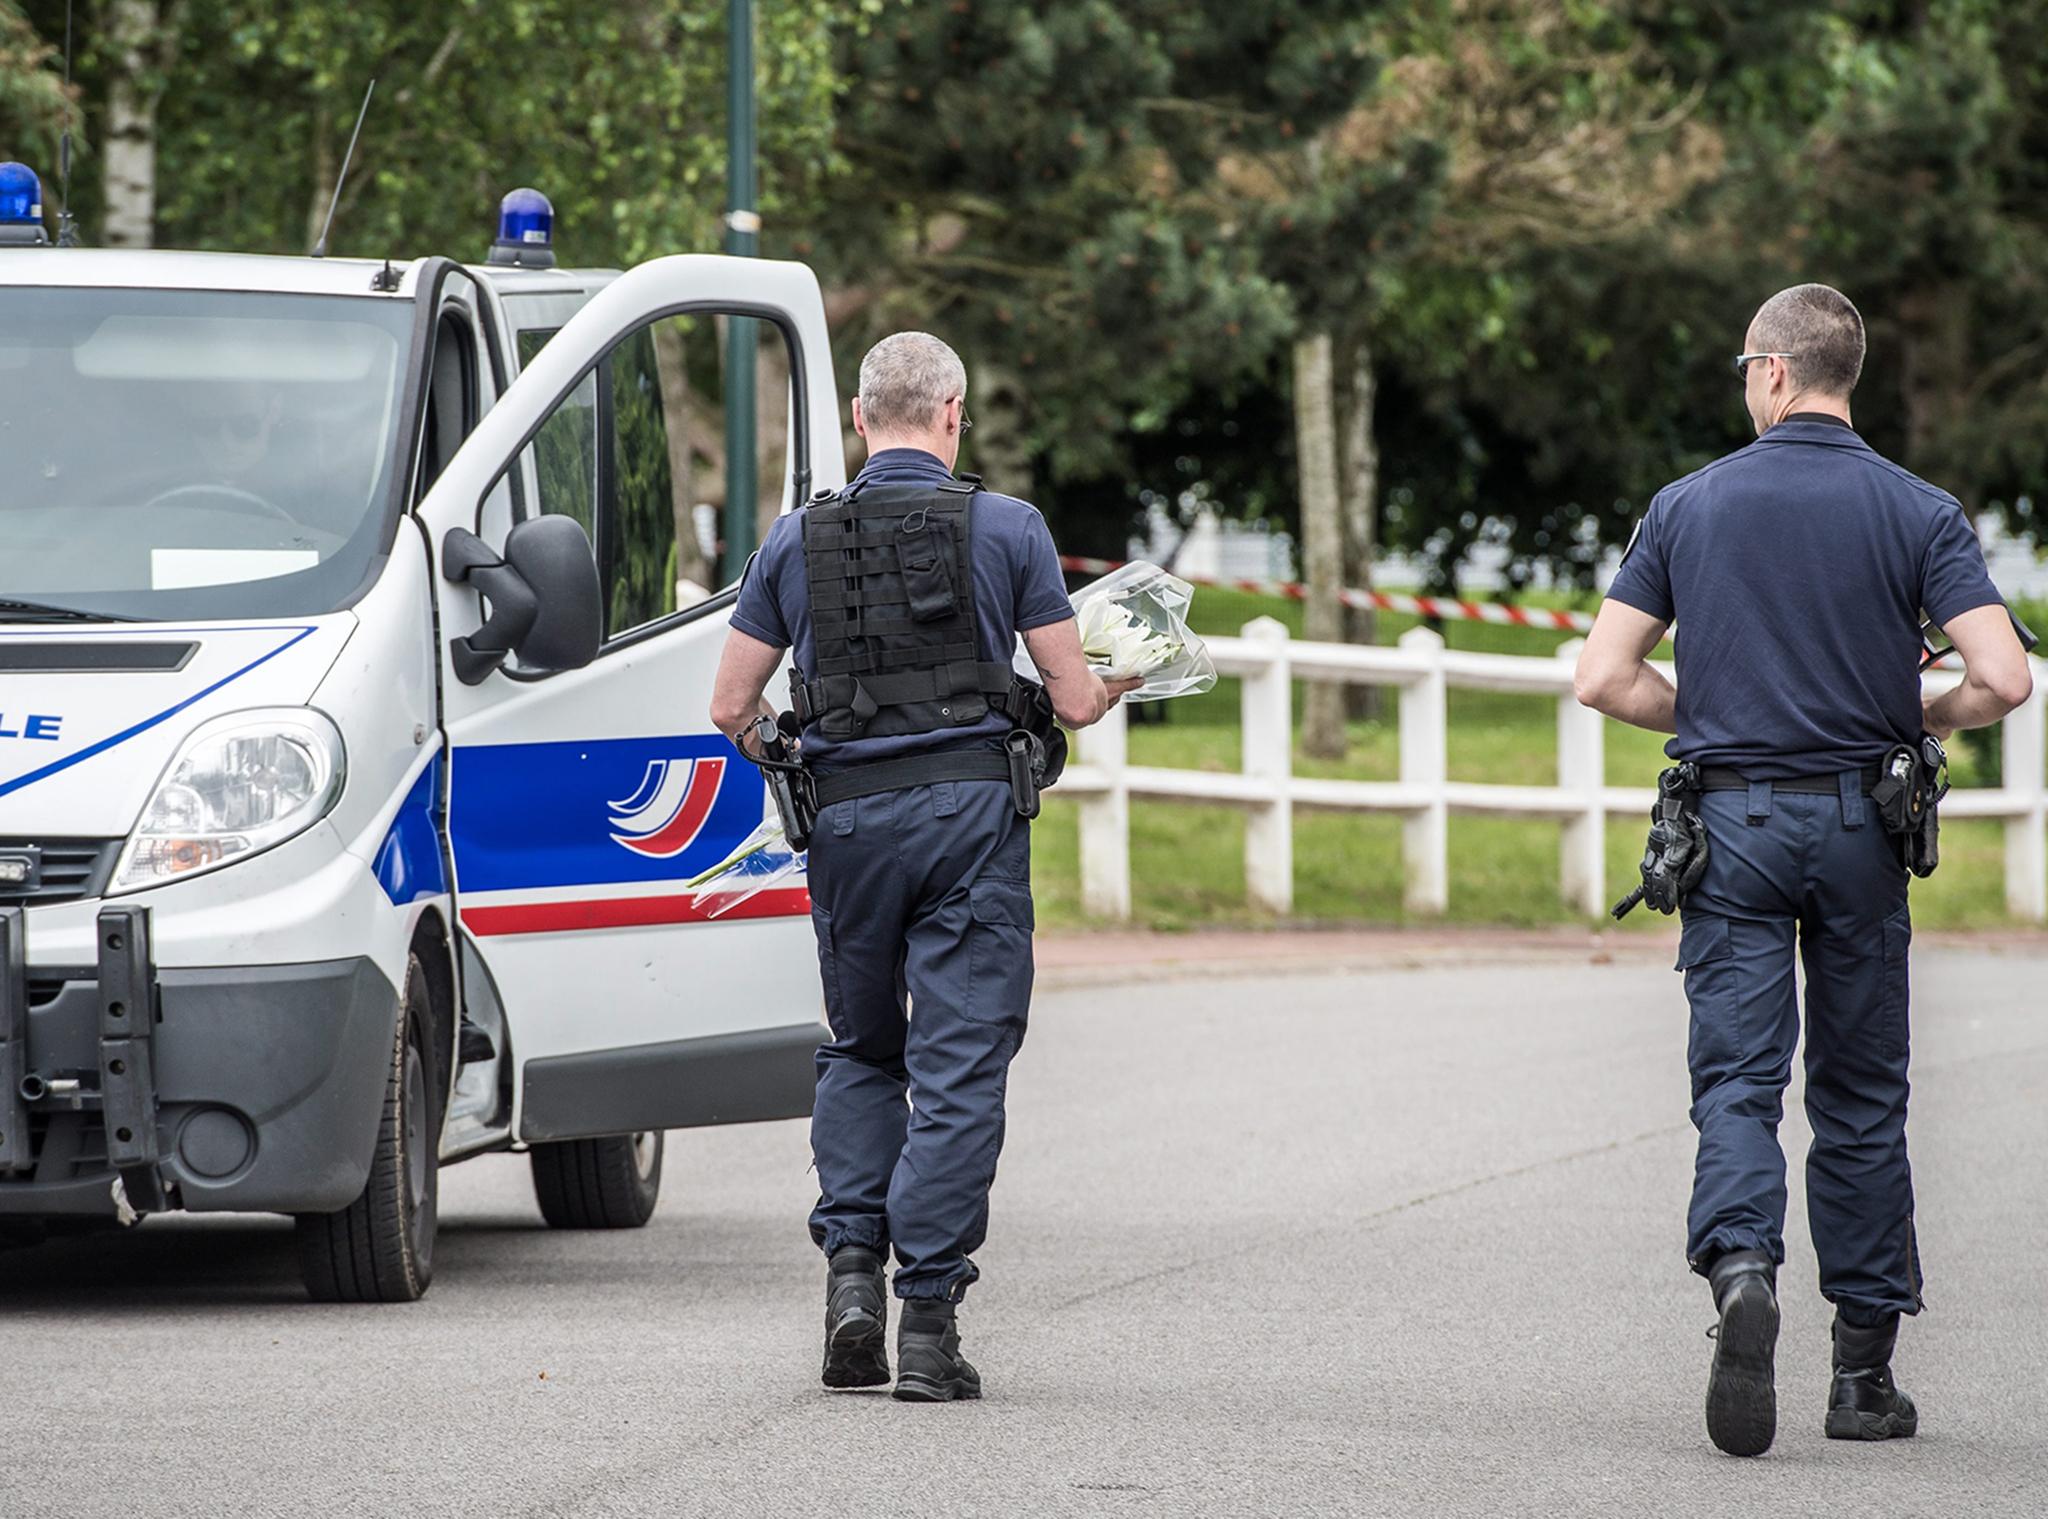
(353, 739)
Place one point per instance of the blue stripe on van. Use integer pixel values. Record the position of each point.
(531, 816)
(90, 750)
(409, 860)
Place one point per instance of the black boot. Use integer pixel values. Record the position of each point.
(856, 1320)
(929, 1366)
(1742, 1393)
(1865, 1403)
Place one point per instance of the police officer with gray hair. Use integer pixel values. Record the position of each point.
(1798, 570)
(900, 599)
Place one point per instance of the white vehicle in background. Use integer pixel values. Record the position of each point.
(353, 744)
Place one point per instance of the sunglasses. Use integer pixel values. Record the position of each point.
(1744, 360)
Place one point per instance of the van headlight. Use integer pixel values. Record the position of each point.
(238, 785)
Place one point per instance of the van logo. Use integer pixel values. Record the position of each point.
(35, 725)
(665, 814)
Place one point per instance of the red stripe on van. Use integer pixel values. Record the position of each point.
(628, 912)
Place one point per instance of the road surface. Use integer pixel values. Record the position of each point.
(1390, 1237)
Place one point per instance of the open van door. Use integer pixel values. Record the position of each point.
(579, 800)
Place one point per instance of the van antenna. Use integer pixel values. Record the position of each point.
(320, 248)
(67, 229)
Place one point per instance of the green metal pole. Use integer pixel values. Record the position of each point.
(742, 239)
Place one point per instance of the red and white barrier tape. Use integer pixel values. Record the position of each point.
(1418, 606)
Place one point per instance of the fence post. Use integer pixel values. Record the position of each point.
(1106, 821)
(1425, 835)
(1269, 755)
(2022, 746)
(1582, 774)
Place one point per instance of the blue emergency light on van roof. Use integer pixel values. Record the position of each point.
(526, 231)
(21, 206)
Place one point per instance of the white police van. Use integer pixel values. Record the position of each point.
(353, 741)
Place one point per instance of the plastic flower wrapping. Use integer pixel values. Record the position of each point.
(761, 862)
(1133, 623)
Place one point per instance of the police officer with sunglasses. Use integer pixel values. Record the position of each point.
(1798, 569)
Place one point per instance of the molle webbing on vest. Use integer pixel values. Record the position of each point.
(892, 612)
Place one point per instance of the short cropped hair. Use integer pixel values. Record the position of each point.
(906, 379)
(1822, 330)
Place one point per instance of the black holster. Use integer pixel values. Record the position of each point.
(789, 782)
(1911, 783)
(1676, 855)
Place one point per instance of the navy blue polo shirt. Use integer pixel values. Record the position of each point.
(1797, 570)
(1017, 587)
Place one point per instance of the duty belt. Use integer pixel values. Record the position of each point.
(912, 770)
(1720, 778)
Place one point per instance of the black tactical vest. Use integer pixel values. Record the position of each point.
(898, 645)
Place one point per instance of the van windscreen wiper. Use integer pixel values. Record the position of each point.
(42, 611)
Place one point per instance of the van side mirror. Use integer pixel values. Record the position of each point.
(546, 605)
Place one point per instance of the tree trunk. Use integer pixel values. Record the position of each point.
(693, 570)
(999, 446)
(324, 170)
(1934, 376)
(1322, 534)
(133, 30)
(1361, 486)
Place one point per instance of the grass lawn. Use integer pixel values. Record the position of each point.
(1187, 862)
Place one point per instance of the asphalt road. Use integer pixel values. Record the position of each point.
(1376, 1242)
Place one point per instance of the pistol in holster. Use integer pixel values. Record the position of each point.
(1036, 745)
(1676, 856)
(1912, 780)
(789, 780)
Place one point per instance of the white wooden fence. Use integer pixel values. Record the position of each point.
(1423, 670)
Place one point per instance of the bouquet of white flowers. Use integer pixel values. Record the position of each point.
(1133, 625)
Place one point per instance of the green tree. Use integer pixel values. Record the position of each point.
(617, 112)
(1017, 180)
(33, 104)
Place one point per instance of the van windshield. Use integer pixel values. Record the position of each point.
(182, 454)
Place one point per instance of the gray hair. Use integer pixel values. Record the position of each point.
(1822, 331)
(905, 380)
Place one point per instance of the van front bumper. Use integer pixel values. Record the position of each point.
(253, 1089)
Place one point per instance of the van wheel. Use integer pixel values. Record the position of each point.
(599, 1183)
(380, 1248)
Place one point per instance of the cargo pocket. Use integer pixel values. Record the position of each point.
(828, 968)
(1702, 939)
(1894, 1023)
(999, 951)
(1707, 956)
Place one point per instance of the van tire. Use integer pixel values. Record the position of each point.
(380, 1248)
(599, 1183)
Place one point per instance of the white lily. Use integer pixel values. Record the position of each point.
(1116, 640)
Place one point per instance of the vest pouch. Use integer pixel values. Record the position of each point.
(922, 547)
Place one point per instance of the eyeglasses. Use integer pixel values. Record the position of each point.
(1744, 360)
(965, 421)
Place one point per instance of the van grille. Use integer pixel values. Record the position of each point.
(76, 1142)
(70, 870)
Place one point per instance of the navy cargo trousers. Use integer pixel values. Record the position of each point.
(1819, 872)
(922, 903)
